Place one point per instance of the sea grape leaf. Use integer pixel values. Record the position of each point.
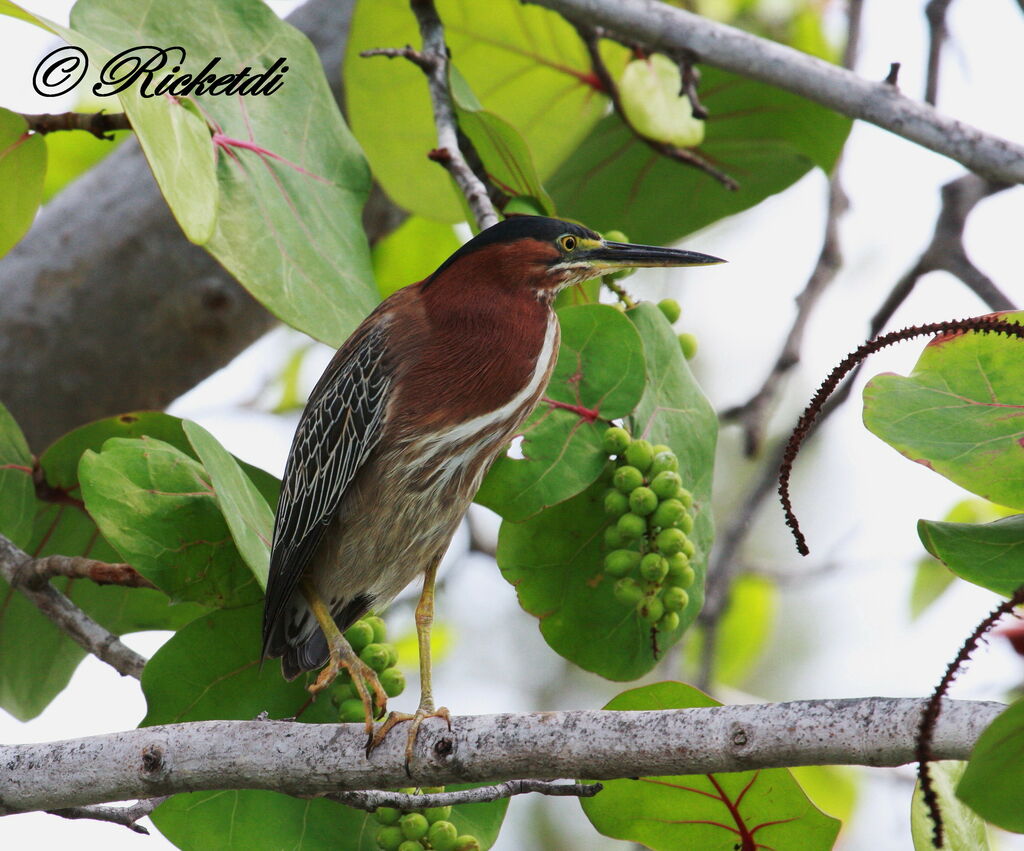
(156, 505)
(763, 137)
(248, 516)
(988, 554)
(960, 412)
(995, 773)
(716, 812)
(599, 377)
(22, 171)
(290, 178)
(962, 828)
(17, 491)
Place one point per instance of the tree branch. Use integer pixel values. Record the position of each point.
(37, 572)
(935, 11)
(100, 124)
(15, 565)
(667, 28)
(311, 759)
(448, 153)
(371, 799)
(127, 816)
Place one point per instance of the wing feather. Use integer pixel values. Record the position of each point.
(339, 428)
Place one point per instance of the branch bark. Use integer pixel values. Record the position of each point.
(105, 278)
(667, 28)
(310, 759)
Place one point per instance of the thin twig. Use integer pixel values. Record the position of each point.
(88, 634)
(448, 153)
(35, 573)
(127, 816)
(100, 124)
(371, 799)
(935, 11)
(589, 36)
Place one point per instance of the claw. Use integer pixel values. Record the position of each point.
(417, 718)
(342, 657)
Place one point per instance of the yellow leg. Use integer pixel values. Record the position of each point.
(342, 656)
(424, 621)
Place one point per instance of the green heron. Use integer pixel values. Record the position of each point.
(400, 429)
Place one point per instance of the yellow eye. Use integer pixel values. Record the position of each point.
(567, 242)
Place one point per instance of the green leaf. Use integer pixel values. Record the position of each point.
(156, 505)
(22, 170)
(248, 516)
(712, 812)
(411, 252)
(763, 137)
(600, 369)
(527, 65)
(36, 658)
(989, 554)
(995, 774)
(502, 150)
(17, 490)
(931, 578)
(210, 669)
(960, 412)
(555, 558)
(963, 829)
(291, 179)
(674, 411)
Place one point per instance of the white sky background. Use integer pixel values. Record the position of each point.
(857, 499)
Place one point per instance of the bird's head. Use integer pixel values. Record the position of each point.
(543, 256)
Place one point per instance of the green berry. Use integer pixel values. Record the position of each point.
(671, 309)
(631, 526)
(376, 656)
(351, 711)
(627, 477)
(621, 562)
(390, 838)
(380, 630)
(642, 501)
(640, 454)
(686, 523)
(435, 814)
(680, 572)
(392, 680)
(651, 609)
(359, 635)
(613, 538)
(627, 592)
(653, 567)
(442, 835)
(411, 845)
(670, 540)
(685, 497)
(669, 622)
(689, 548)
(387, 815)
(466, 842)
(666, 484)
(675, 599)
(615, 236)
(343, 692)
(688, 343)
(414, 825)
(668, 513)
(616, 503)
(664, 460)
(615, 440)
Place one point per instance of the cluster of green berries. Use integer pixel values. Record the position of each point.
(649, 548)
(368, 638)
(672, 311)
(419, 829)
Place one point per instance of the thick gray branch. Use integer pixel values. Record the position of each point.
(306, 759)
(667, 28)
(106, 307)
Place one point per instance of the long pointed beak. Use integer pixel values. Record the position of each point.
(612, 256)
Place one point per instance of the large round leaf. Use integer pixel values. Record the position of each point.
(22, 169)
